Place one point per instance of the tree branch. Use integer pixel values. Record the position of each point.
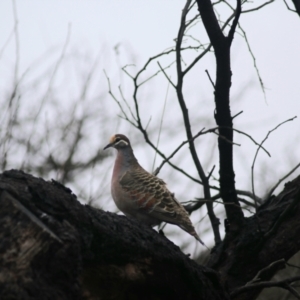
(235, 21)
(205, 181)
(281, 180)
(266, 284)
(223, 117)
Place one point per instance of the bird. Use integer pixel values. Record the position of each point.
(140, 194)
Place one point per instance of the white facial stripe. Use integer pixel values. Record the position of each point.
(121, 141)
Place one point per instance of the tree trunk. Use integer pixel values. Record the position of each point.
(273, 233)
(53, 247)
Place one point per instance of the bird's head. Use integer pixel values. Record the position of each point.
(118, 141)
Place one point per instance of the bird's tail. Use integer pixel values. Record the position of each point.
(196, 236)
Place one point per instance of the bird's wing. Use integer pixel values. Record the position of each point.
(152, 196)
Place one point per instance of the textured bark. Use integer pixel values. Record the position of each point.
(271, 234)
(53, 247)
(221, 45)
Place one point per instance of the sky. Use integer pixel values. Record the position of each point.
(128, 32)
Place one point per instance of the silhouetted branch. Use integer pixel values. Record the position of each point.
(157, 170)
(168, 78)
(259, 147)
(281, 180)
(285, 284)
(221, 45)
(296, 4)
(254, 61)
(250, 195)
(258, 7)
(235, 21)
(179, 90)
(212, 83)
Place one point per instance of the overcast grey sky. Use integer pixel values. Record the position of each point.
(145, 28)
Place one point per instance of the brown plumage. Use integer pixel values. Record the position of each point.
(140, 194)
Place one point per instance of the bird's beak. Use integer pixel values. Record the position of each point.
(107, 146)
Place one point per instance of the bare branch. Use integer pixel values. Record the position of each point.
(168, 78)
(210, 173)
(288, 7)
(258, 7)
(259, 147)
(157, 170)
(281, 180)
(297, 6)
(117, 101)
(250, 195)
(212, 83)
(160, 126)
(200, 202)
(221, 45)
(254, 61)
(126, 103)
(251, 138)
(179, 89)
(271, 268)
(196, 60)
(236, 115)
(225, 139)
(235, 21)
(264, 284)
(151, 59)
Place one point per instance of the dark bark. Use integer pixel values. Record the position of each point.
(272, 234)
(53, 247)
(297, 6)
(221, 45)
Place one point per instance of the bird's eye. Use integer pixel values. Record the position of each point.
(117, 139)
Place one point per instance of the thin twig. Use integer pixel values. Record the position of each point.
(212, 83)
(160, 126)
(274, 266)
(168, 78)
(237, 114)
(196, 60)
(225, 139)
(126, 103)
(151, 59)
(235, 21)
(210, 173)
(251, 138)
(200, 202)
(290, 9)
(259, 147)
(250, 195)
(264, 284)
(179, 89)
(157, 170)
(254, 61)
(117, 101)
(258, 7)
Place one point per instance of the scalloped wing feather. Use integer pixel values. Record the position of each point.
(151, 195)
